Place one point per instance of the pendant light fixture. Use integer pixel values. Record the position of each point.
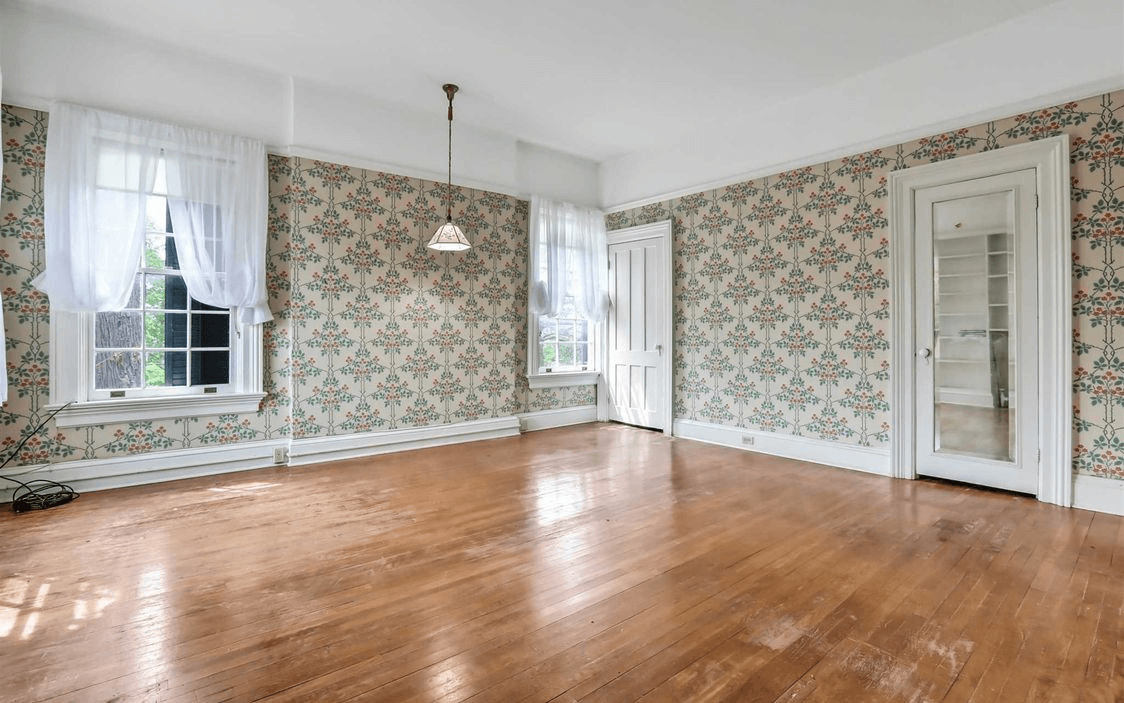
(448, 236)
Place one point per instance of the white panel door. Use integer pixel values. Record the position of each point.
(977, 354)
(638, 333)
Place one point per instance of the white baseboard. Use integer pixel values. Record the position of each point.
(559, 417)
(1089, 492)
(117, 472)
(1105, 495)
(316, 449)
(872, 460)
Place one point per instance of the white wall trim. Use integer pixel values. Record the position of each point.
(1050, 159)
(871, 460)
(562, 379)
(1105, 495)
(317, 449)
(558, 417)
(86, 475)
(102, 412)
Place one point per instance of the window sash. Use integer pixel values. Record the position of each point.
(194, 313)
(550, 345)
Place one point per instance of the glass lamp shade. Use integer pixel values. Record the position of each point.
(449, 237)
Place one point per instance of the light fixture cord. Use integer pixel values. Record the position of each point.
(449, 184)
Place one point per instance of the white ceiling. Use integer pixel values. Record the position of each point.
(599, 79)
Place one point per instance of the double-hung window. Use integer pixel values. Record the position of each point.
(164, 342)
(155, 269)
(567, 291)
(565, 343)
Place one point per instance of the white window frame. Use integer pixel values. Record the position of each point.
(72, 347)
(537, 378)
(72, 378)
(558, 379)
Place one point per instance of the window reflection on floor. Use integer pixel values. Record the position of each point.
(152, 614)
(24, 609)
(559, 496)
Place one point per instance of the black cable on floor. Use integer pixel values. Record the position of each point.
(37, 494)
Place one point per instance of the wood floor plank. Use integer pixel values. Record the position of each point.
(596, 563)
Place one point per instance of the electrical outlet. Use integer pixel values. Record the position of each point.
(747, 440)
(280, 456)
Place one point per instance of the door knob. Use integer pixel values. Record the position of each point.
(659, 349)
(924, 353)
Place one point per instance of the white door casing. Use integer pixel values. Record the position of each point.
(976, 364)
(1049, 158)
(638, 340)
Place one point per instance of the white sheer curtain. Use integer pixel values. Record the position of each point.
(569, 257)
(217, 197)
(101, 168)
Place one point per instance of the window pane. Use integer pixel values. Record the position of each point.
(155, 291)
(210, 368)
(549, 355)
(117, 369)
(156, 214)
(165, 369)
(171, 259)
(117, 329)
(160, 251)
(546, 329)
(155, 251)
(175, 293)
(210, 330)
(565, 355)
(166, 329)
(564, 343)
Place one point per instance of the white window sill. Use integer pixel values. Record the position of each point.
(562, 378)
(102, 412)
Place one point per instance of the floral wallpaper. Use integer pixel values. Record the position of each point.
(26, 321)
(781, 287)
(781, 299)
(372, 331)
(388, 334)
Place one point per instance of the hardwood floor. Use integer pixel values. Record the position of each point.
(594, 563)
